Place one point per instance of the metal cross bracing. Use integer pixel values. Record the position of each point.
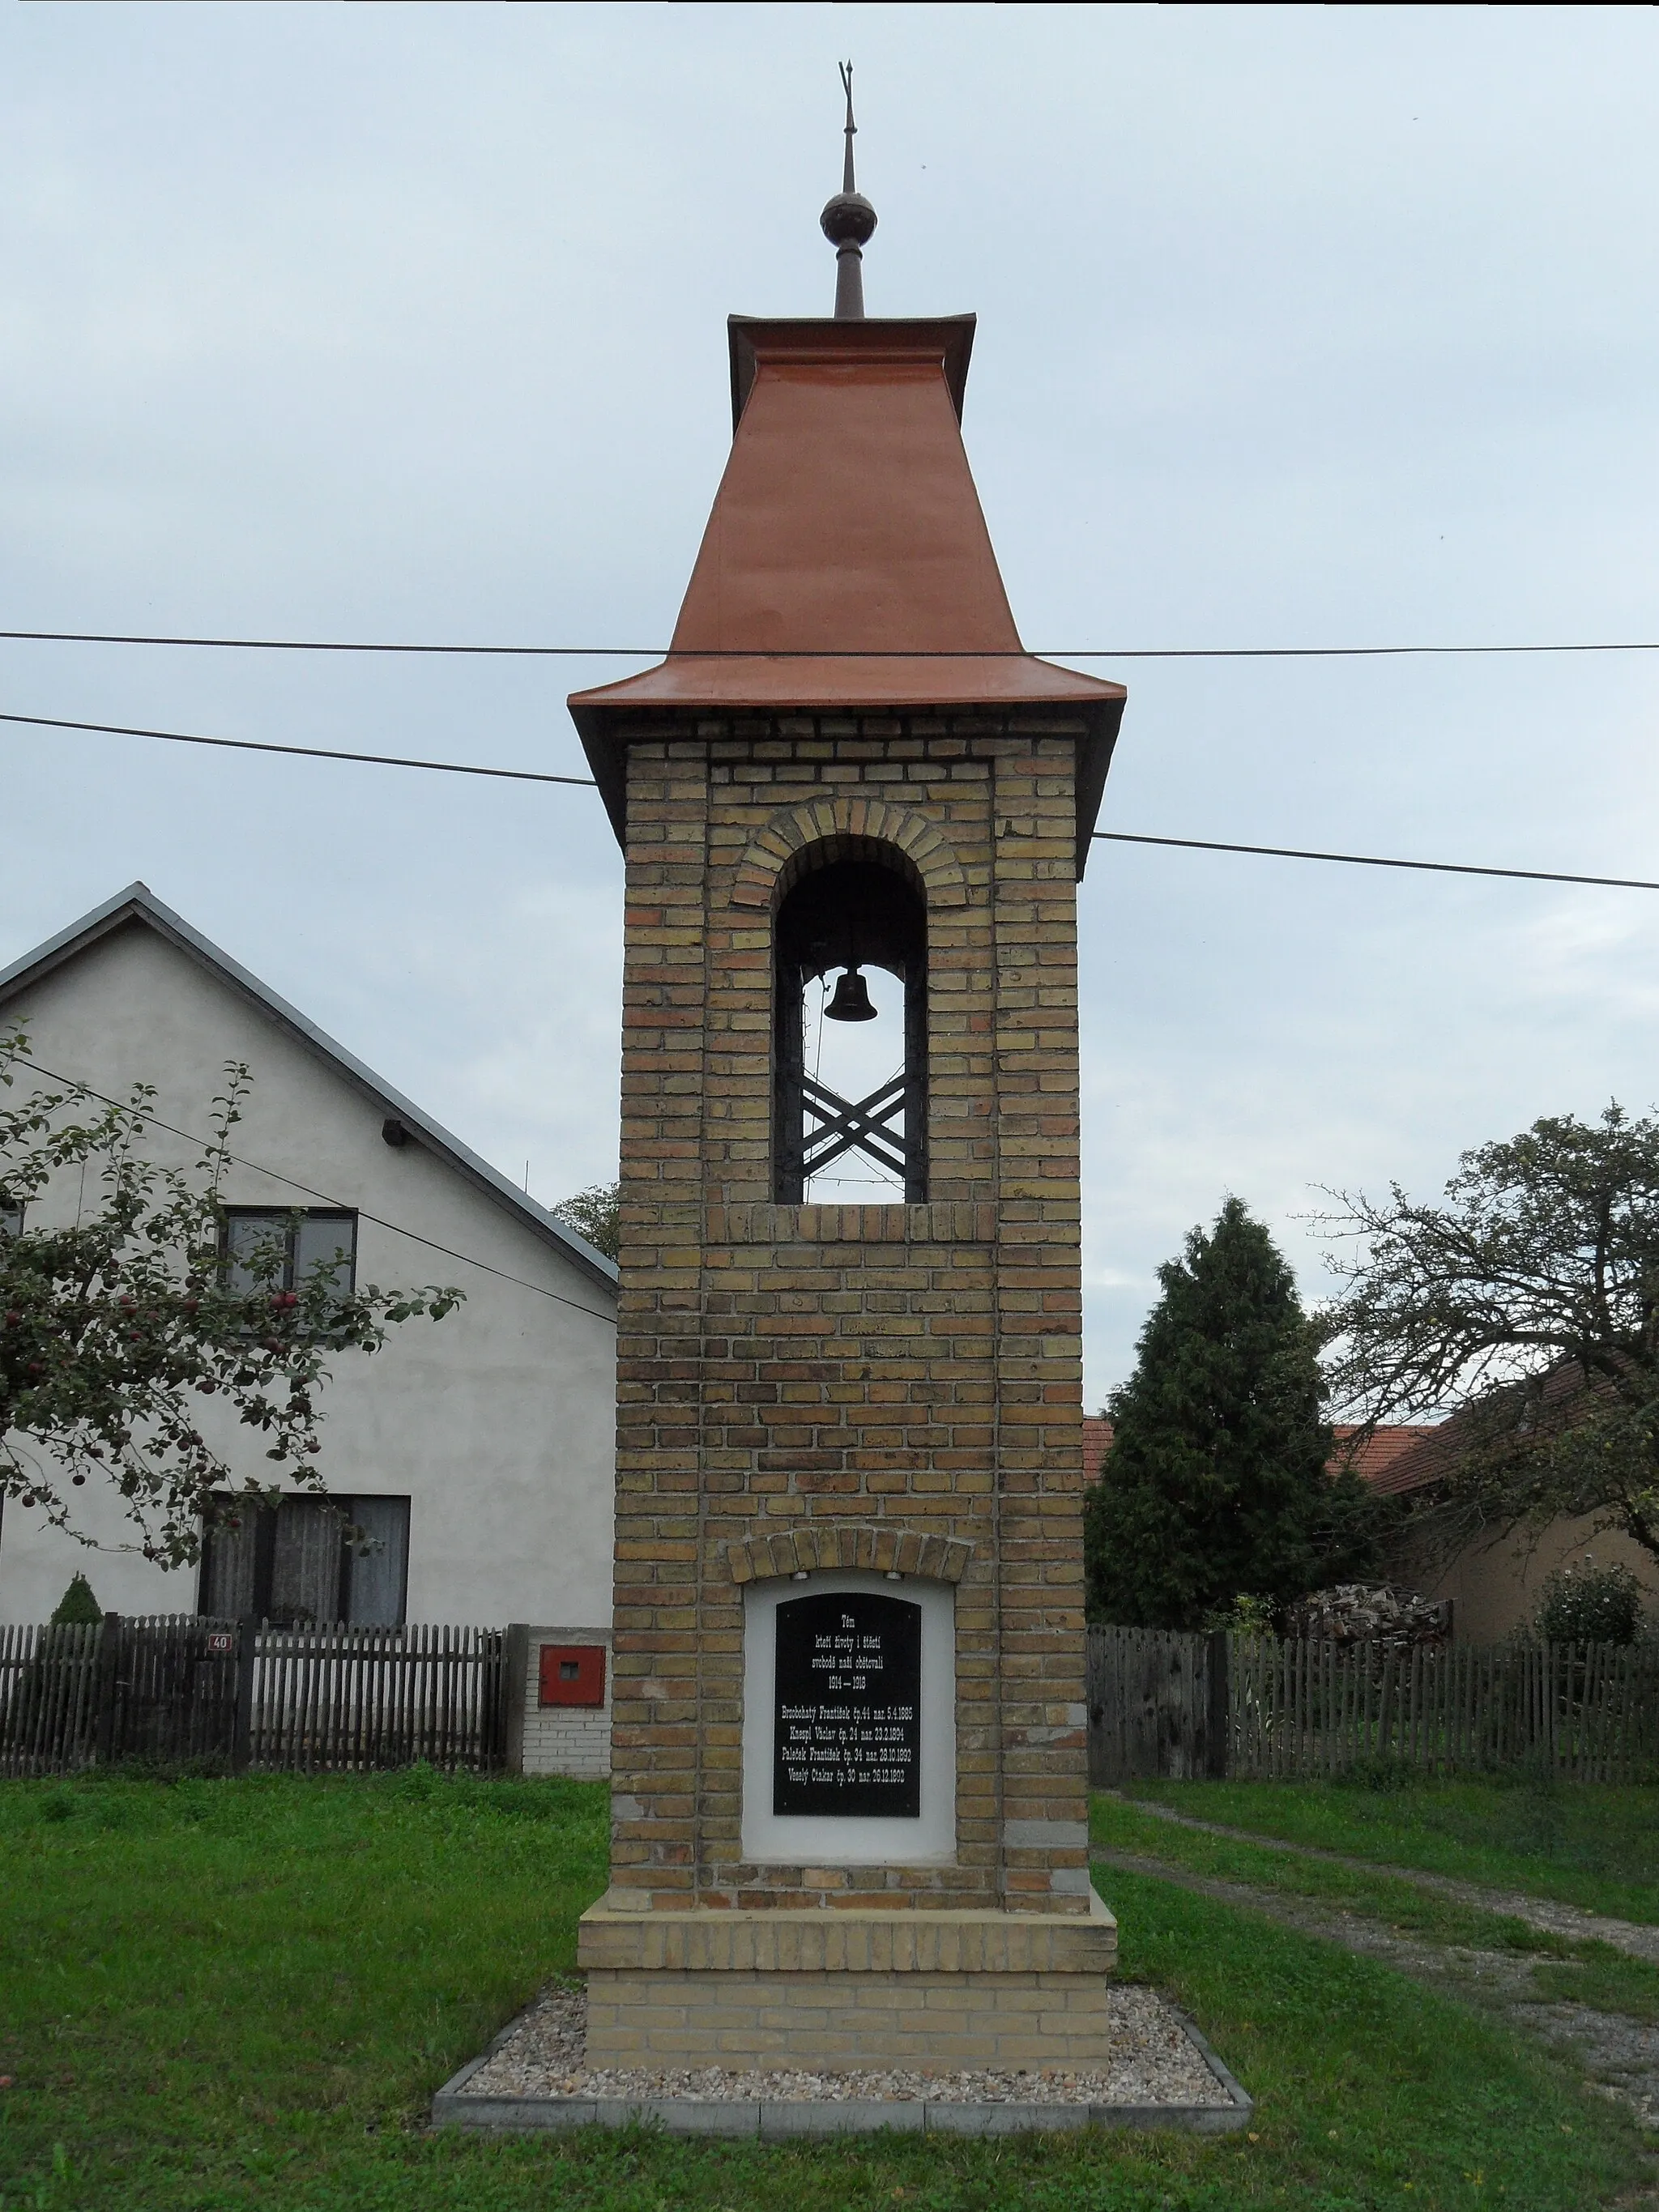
(846, 1126)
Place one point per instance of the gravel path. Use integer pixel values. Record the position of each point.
(1632, 1937)
(1620, 2055)
(1155, 2063)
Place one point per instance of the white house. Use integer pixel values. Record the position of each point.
(477, 1453)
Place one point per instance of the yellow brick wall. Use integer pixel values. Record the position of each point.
(839, 2023)
(787, 1365)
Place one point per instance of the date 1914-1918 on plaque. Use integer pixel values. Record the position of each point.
(847, 1736)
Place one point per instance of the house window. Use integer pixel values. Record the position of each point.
(308, 1560)
(11, 1218)
(297, 1242)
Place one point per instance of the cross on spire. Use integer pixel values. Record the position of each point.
(848, 222)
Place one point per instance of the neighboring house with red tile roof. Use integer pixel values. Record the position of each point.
(1492, 1587)
(1373, 1458)
(1096, 1443)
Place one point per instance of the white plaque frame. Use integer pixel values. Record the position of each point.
(770, 1838)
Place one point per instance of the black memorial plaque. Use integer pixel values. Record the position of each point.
(849, 1718)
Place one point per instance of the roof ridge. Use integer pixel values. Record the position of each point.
(138, 902)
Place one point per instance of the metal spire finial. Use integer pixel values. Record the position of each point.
(848, 222)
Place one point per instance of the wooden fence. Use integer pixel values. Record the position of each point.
(1157, 1705)
(351, 1700)
(1257, 1708)
(239, 1694)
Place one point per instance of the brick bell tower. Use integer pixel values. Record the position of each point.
(849, 1813)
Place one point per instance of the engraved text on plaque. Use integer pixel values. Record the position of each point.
(847, 1735)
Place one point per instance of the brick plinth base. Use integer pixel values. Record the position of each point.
(836, 1990)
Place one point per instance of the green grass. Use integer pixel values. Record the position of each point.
(1583, 1843)
(1261, 1866)
(1591, 1972)
(1602, 1977)
(225, 1995)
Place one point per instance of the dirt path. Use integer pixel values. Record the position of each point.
(1630, 1936)
(1620, 2055)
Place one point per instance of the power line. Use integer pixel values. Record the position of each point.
(1375, 861)
(827, 653)
(342, 1205)
(303, 752)
(586, 783)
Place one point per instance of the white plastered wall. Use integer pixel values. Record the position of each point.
(497, 1422)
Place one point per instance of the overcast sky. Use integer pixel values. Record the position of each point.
(1300, 326)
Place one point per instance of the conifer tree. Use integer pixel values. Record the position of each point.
(78, 1607)
(1216, 1487)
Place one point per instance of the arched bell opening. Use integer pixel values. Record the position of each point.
(850, 1029)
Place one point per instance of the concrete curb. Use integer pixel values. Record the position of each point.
(783, 2120)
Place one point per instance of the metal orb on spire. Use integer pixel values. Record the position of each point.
(849, 222)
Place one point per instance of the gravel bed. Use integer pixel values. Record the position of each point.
(1622, 2054)
(1155, 2061)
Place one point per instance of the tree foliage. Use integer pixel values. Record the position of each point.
(117, 1317)
(1216, 1483)
(78, 1607)
(596, 1214)
(1527, 1306)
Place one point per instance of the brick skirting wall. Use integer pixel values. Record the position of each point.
(573, 1740)
(837, 1991)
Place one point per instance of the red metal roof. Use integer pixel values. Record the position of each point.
(847, 562)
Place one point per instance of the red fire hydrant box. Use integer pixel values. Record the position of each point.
(573, 1674)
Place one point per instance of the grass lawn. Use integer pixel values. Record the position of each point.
(1582, 1843)
(1591, 1974)
(238, 1994)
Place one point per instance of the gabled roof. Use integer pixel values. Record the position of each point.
(137, 907)
(846, 563)
(1548, 1404)
(1384, 1458)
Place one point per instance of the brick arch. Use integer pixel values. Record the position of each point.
(883, 1546)
(763, 873)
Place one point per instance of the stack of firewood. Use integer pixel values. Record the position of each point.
(1370, 1612)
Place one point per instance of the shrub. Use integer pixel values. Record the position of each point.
(1587, 1604)
(1378, 1773)
(1245, 1616)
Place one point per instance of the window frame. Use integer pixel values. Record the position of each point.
(848, 902)
(290, 1218)
(263, 1517)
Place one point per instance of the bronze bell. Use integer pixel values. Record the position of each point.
(852, 1001)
